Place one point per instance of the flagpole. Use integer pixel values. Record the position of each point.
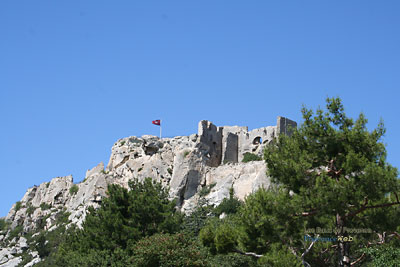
(160, 129)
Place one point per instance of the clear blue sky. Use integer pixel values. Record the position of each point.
(75, 76)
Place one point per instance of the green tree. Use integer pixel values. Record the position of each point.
(128, 215)
(168, 250)
(334, 174)
(125, 216)
(228, 205)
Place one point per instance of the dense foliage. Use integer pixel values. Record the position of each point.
(338, 173)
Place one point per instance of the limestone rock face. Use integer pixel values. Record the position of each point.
(210, 159)
(244, 178)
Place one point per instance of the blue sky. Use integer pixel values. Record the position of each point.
(75, 76)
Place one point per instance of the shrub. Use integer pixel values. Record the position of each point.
(207, 235)
(169, 170)
(206, 190)
(31, 209)
(225, 238)
(186, 153)
(193, 223)
(233, 260)
(15, 232)
(18, 205)
(3, 224)
(45, 206)
(62, 217)
(169, 250)
(247, 157)
(74, 189)
(220, 236)
(123, 143)
(228, 205)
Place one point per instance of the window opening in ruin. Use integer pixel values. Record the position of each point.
(257, 140)
(214, 145)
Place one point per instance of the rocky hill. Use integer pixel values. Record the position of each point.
(200, 166)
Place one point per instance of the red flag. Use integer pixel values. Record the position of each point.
(156, 122)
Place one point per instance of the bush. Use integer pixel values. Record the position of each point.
(3, 224)
(228, 205)
(31, 209)
(247, 157)
(225, 238)
(74, 189)
(15, 232)
(45, 206)
(186, 153)
(168, 250)
(18, 205)
(280, 255)
(62, 217)
(233, 260)
(220, 236)
(169, 170)
(206, 189)
(207, 235)
(193, 223)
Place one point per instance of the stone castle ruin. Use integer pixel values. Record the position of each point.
(230, 143)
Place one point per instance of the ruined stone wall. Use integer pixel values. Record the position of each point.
(230, 143)
(255, 141)
(285, 126)
(211, 136)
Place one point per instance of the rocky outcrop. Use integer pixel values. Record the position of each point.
(200, 166)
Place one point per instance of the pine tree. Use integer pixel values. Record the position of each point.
(125, 217)
(335, 176)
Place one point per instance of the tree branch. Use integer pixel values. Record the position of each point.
(248, 253)
(358, 260)
(365, 207)
(308, 250)
(359, 210)
(306, 213)
(394, 234)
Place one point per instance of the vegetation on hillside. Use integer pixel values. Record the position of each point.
(247, 157)
(335, 203)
